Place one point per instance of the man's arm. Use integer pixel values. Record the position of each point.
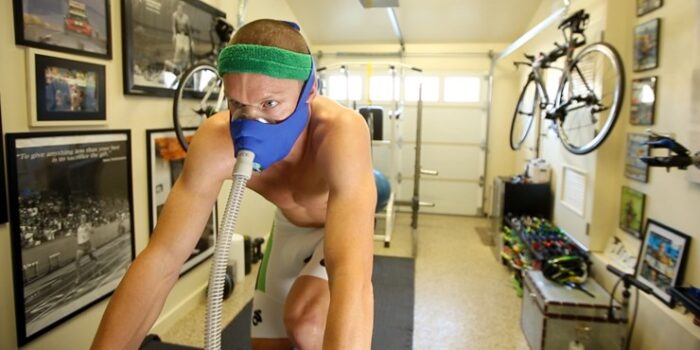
(138, 300)
(345, 160)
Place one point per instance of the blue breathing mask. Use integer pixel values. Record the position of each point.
(272, 142)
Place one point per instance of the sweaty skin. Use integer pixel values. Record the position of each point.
(325, 180)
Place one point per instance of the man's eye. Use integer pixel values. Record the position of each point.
(270, 104)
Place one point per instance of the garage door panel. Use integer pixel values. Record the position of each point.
(445, 124)
(458, 198)
(452, 162)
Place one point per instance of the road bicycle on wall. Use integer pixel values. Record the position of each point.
(589, 94)
(200, 89)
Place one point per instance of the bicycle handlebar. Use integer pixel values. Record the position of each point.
(629, 279)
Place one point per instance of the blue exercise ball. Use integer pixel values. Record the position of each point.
(383, 189)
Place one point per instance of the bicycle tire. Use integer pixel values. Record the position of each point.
(589, 116)
(524, 115)
(198, 96)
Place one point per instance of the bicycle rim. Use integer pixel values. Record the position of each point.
(198, 96)
(592, 91)
(526, 110)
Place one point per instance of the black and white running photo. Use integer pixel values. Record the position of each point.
(71, 219)
(162, 38)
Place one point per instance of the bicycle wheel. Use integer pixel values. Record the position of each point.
(526, 110)
(589, 98)
(199, 95)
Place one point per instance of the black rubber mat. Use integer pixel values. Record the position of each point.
(394, 298)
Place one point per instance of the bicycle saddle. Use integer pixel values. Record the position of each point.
(658, 141)
(576, 22)
(223, 29)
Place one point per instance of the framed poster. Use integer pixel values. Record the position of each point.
(75, 26)
(646, 45)
(632, 211)
(643, 101)
(166, 159)
(161, 39)
(646, 6)
(3, 190)
(71, 211)
(635, 169)
(662, 259)
(64, 92)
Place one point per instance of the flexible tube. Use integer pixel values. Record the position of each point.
(241, 174)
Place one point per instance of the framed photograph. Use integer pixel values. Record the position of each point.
(161, 39)
(75, 26)
(662, 259)
(71, 226)
(64, 92)
(3, 190)
(165, 161)
(632, 211)
(635, 169)
(646, 45)
(643, 101)
(646, 6)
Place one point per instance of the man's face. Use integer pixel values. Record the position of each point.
(257, 96)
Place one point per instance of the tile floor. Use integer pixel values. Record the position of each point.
(464, 299)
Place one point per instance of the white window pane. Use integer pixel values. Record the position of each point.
(462, 89)
(431, 88)
(380, 88)
(338, 87)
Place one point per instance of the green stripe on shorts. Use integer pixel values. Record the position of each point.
(262, 274)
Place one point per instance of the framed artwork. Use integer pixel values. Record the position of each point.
(75, 26)
(165, 161)
(646, 45)
(643, 101)
(635, 169)
(64, 92)
(71, 226)
(632, 211)
(646, 6)
(662, 259)
(3, 190)
(161, 39)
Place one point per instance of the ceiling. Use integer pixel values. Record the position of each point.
(329, 22)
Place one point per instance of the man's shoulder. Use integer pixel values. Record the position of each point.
(330, 116)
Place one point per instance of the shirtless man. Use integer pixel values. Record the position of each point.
(314, 287)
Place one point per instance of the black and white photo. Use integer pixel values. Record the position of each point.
(71, 222)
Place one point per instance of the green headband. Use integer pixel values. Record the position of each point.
(267, 60)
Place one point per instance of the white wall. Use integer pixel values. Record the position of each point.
(123, 112)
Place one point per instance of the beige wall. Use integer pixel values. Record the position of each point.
(670, 198)
(123, 112)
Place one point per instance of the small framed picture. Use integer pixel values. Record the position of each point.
(646, 6)
(75, 26)
(65, 92)
(643, 101)
(166, 159)
(662, 259)
(646, 45)
(632, 211)
(635, 169)
(71, 226)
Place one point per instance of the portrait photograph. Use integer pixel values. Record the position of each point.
(636, 169)
(632, 211)
(166, 159)
(646, 45)
(643, 101)
(70, 222)
(65, 92)
(74, 26)
(161, 39)
(646, 6)
(662, 259)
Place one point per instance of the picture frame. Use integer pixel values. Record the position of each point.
(636, 169)
(646, 6)
(3, 189)
(65, 92)
(643, 101)
(165, 162)
(662, 259)
(72, 232)
(81, 27)
(632, 211)
(646, 45)
(154, 56)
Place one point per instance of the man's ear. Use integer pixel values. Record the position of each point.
(314, 90)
